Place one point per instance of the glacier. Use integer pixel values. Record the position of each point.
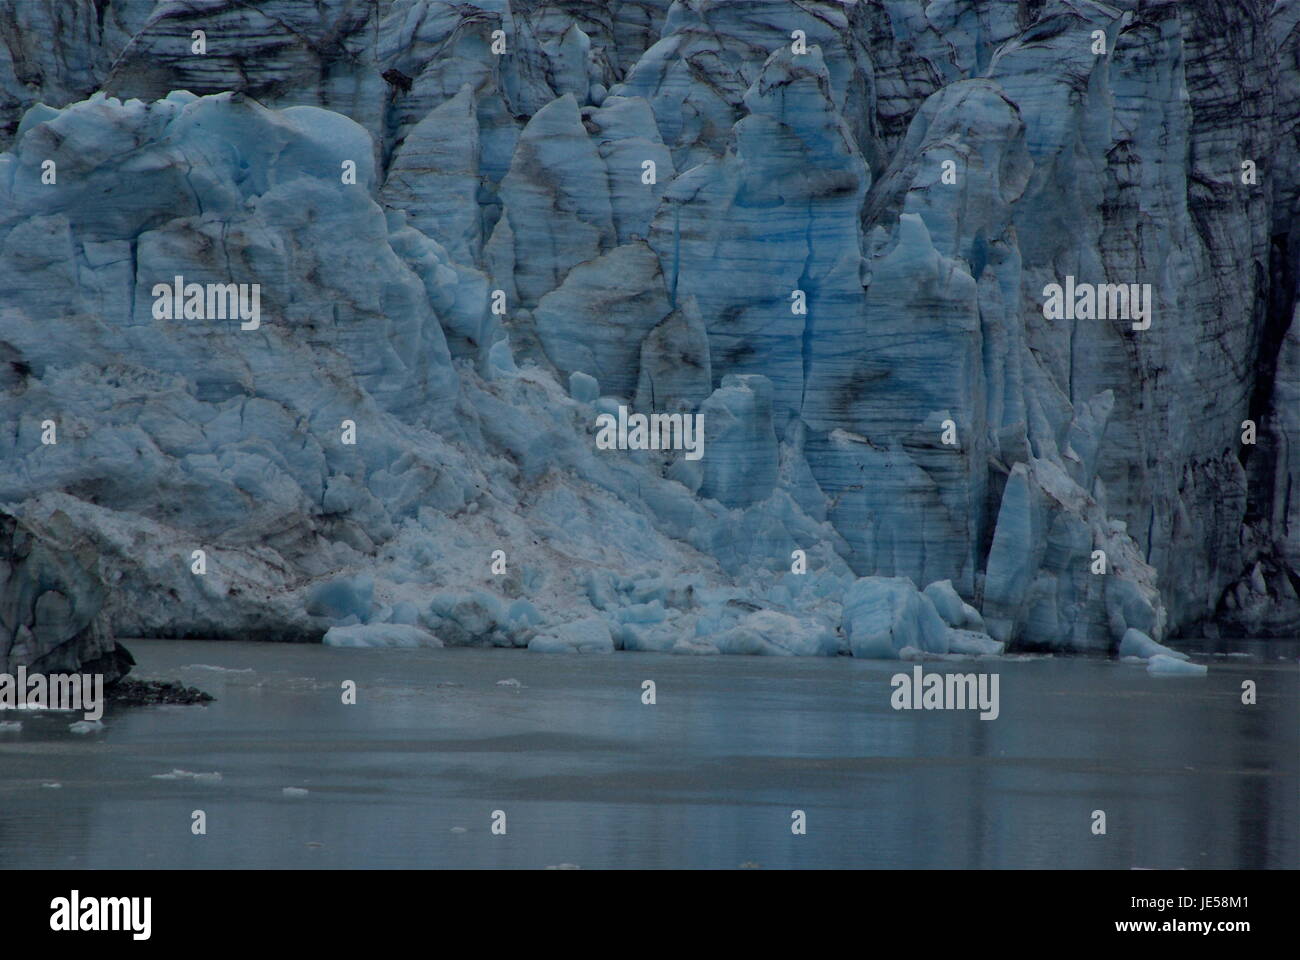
(473, 228)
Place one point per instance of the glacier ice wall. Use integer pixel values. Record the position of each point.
(828, 227)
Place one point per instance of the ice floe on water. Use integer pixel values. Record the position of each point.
(380, 635)
(177, 774)
(1164, 666)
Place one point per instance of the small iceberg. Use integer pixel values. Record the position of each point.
(1165, 666)
(380, 635)
(212, 777)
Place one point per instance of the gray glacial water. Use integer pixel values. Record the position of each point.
(706, 777)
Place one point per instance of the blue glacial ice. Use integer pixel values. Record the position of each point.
(834, 253)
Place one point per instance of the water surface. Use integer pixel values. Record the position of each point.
(707, 777)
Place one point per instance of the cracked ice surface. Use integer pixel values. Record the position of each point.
(775, 171)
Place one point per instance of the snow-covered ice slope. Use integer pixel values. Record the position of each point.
(827, 228)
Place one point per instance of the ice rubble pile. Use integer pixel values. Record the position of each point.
(778, 168)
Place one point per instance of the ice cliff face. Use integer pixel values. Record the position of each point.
(829, 228)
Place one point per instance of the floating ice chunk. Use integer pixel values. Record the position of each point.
(1165, 666)
(511, 682)
(1135, 643)
(10, 726)
(212, 777)
(52, 786)
(294, 792)
(216, 669)
(563, 866)
(589, 635)
(86, 726)
(380, 635)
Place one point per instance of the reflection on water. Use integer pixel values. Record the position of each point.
(706, 777)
